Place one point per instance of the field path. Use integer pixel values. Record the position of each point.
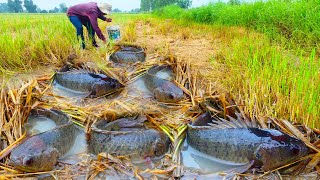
(184, 44)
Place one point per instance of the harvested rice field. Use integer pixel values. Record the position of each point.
(172, 99)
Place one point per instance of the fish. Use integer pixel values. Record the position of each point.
(163, 90)
(127, 137)
(41, 152)
(96, 85)
(268, 148)
(128, 54)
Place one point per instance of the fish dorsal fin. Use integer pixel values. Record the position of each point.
(225, 124)
(244, 119)
(240, 121)
(232, 123)
(85, 71)
(89, 72)
(81, 70)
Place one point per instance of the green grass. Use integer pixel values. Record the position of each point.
(271, 78)
(32, 40)
(294, 23)
(274, 73)
(272, 82)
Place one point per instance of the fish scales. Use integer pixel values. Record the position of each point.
(128, 54)
(225, 143)
(95, 84)
(126, 143)
(76, 81)
(267, 147)
(136, 142)
(162, 89)
(41, 151)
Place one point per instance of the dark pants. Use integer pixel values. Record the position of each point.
(79, 27)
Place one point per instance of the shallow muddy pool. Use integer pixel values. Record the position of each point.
(138, 87)
(62, 91)
(165, 74)
(199, 162)
(39, 124)
(132, 92)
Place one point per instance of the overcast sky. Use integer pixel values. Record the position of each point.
(120, 4)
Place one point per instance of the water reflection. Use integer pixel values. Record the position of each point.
(139, 89)
(40, 123)
(203, 163)
(62, 91)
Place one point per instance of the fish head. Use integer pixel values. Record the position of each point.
(105, 86)
(161, 145)
(281, 150)
(34, 156)
(168, 92)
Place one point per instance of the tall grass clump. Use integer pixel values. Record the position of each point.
(272, 83)
(296, 23)
(32, 40)
(271, 74)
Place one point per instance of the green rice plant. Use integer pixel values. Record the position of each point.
(130, 33)
(294, 23)
(270, 82)
(274, 74)
(34, 40)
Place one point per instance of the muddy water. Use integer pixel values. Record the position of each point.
(62, 91)
(80, 145)
(165, 74)
(134, 92)
(201, 163)
(39, 124)
(138, 87)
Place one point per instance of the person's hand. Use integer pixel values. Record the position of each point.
(105, 41)
(109, 20)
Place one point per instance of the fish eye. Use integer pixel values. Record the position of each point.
(171, 96)
(159, 149)
(258, 156)
(28, 161)
(295, 150)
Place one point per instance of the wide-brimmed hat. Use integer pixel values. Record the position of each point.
(105, 8)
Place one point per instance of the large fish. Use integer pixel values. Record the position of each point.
(162, 89)
(268, 148)
(94, 84)
(128, 54)
(127, 137)
(40, 152)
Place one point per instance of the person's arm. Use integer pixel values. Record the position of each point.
(103, 18)
(94, 22)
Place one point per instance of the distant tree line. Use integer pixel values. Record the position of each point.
(116, 10)
(27, 6)
(149, 5)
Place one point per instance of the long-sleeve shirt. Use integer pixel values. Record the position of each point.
(88, 12)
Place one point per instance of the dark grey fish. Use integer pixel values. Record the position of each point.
(40, 152)
(128, 54)
(127, 137)
(94, 84)
(162, 89)
(268, 148)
